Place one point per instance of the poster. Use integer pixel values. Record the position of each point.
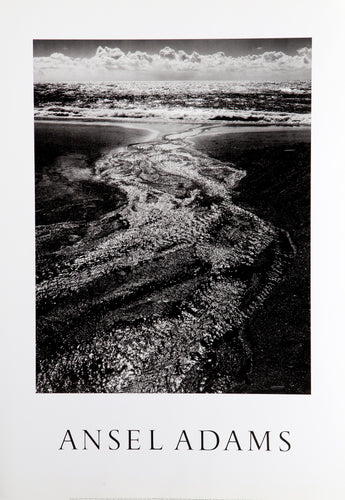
(281, 441)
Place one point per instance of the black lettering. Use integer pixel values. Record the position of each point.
(203, 440)
(185, 440)
(266, 436)
(70, 440)
(132, 439)
(285, 441)
(96, 443)
(152, 441)
(234, 440)
(114, 439)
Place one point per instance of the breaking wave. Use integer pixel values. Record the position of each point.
(284, 103)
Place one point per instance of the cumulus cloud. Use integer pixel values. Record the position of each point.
(305, 51)
(106, 52)
(113, 63)
(167, 53)
(306, 54)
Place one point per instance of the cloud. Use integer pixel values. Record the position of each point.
(106, 52)
(167, 53)
(113, 63)
(305, 53)
(273, 56)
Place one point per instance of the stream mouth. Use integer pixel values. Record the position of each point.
(146, 270)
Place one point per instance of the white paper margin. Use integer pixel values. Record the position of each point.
(33, 424)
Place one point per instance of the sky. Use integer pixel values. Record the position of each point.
(221, 59)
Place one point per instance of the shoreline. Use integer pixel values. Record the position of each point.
(100, 122)
(233, 129)
(162, 130)
(177, 275)
(178, 122)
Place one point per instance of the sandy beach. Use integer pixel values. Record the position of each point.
(124, 176)
(277, 189)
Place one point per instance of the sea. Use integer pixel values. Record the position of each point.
(258, 103)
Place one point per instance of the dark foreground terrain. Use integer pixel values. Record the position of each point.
(154, 263)
(277, 189)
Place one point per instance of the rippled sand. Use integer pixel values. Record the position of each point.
(153, 296)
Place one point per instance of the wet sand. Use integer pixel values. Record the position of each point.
(65, 152)
(274, 190)
(277, 189)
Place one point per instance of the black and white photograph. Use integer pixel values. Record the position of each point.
(172, 250)
(172, 209)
